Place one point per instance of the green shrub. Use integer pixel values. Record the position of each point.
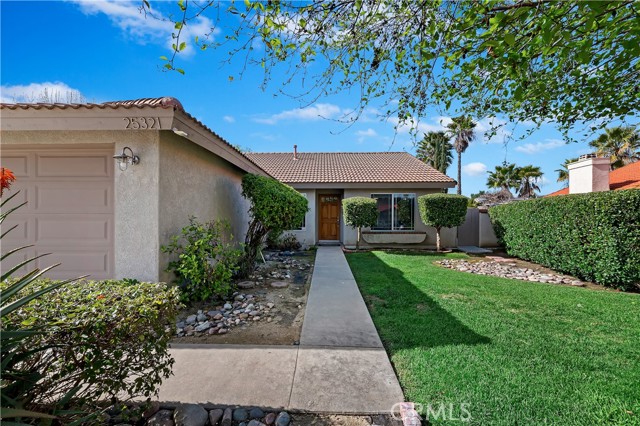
(105, 340)
(593, 236)
(282, 241)
(442, 211)
(206, 262)
(274, 208)
(360, 212)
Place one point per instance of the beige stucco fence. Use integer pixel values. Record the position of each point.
(477, 229)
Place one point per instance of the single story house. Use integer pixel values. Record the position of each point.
(593, 174)
(394, 179)
(105, 217)
(108, 184)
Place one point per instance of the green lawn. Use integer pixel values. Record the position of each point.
(516, 352)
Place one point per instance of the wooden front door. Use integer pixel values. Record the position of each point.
(329, 228)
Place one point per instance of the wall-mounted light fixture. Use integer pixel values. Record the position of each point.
(180, 132)
(127, 157)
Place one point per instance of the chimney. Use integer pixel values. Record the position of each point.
(589, 174)
(295, 152)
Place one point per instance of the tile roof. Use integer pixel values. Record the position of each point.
(166, 102)
(626, 177)
(348, 167)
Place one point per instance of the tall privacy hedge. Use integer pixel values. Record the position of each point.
(593, 236)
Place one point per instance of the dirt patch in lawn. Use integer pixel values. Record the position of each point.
(269, 311)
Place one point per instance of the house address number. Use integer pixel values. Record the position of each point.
(141, 123)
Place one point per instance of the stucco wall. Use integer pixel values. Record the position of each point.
(196, 182)
(350, 235)
(487, 236)
(307, 236)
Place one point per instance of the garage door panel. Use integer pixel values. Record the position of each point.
(17, 163)
(82, 230)
(74, 166)
(70, 209)
(75, 263)
(19, 235)
(71, 197)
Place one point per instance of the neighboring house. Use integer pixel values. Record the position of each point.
(593, 174)
(394, 179)
(98, 219)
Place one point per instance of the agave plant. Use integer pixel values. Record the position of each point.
(16, 382)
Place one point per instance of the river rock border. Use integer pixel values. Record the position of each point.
(503, 270)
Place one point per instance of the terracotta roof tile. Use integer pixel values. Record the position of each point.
(348, 167)
(166, 102)
(626, 177)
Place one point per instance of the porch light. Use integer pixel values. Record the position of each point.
(127, 157)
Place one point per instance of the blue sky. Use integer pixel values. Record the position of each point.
(108, 51)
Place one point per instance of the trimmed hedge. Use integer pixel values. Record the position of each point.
(274, 208)
(107, 340)
(593, 236)
(360, 212)
(442, 211)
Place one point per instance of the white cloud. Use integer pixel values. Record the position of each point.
(41, 92)
(364, 134)
(126, 15)
(265, 136)
(474, 169)
(534, 148)
(229, 118)
(311, 113)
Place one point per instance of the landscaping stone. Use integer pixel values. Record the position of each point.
(255, 423)
(191, 319)
(204, 326)
(152, 408)
(240, 414)
(506, 269)
(227, 417)
(256, 413)
(283, 419)
(270, 419)
(246, 284)
(190, 415)
(215, 416)
(279, 284)
(161, 418)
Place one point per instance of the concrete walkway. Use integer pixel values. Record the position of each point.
(339, 367)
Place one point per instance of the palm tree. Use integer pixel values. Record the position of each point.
(529, 176)
(563, 171)
(461, 130)
(621, 144)
(504, 177)
(435, 150)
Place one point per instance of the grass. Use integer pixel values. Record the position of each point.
(515, 352)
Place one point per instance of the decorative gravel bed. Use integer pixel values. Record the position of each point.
(267, 308)
(508, 270)
(197, 415)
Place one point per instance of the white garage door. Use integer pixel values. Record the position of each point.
(69, 210)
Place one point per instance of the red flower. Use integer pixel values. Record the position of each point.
(6, 179)
(100, 296)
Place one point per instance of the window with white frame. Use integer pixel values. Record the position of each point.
(303, 225)
(396, 212)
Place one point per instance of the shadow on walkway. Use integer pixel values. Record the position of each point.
(405, 316)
